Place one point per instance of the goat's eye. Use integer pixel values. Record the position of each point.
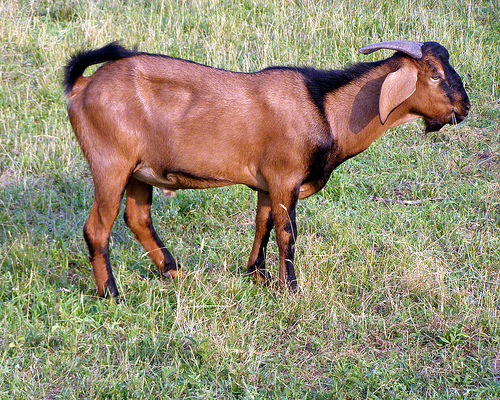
(435, 78)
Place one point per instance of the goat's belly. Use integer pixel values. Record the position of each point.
(170, 181)
(174, 180)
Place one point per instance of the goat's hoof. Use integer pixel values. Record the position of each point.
(293, 287)
(296, 291)
(261, 277)
(176, 274)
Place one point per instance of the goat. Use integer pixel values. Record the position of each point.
(145, 120)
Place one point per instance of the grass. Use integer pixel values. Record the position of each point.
(397, 301)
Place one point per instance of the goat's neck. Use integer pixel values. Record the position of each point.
(352, 112)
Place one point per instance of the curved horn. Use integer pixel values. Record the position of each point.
(413, 49)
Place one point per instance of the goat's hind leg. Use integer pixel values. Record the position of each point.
(97, 230)
(263, 225)
(137, 216)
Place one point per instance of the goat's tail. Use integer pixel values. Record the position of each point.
(80, 61)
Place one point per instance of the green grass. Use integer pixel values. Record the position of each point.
(399, 302)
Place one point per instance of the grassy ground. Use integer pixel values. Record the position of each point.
(398, 301)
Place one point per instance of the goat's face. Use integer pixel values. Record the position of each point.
(443, 98)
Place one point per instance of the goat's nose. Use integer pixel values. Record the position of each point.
(466, 106)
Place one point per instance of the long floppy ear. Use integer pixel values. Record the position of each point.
(397, 87)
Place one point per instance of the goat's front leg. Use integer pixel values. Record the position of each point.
(263, 225)
(283, 210)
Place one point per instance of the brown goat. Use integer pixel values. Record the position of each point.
(145, 120)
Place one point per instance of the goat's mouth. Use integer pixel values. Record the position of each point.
(459, 115)
(433, 125)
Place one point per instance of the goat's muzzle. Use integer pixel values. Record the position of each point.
(455, 117)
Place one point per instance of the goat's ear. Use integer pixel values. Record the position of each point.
(397, 87)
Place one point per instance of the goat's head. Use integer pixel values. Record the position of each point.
(433, 88)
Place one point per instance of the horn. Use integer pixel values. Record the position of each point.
(413, 49)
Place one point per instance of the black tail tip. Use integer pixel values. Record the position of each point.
(79, 62)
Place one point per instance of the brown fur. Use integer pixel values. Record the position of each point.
(148, 120)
